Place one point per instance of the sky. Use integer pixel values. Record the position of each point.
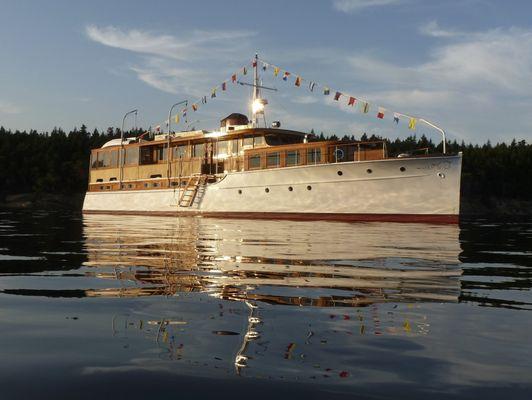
(465, 65)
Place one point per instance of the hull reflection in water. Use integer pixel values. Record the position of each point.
(360, 263)
(348, 271)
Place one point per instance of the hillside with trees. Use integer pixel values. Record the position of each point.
(56, 162)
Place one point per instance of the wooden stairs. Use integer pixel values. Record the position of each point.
(191, 190)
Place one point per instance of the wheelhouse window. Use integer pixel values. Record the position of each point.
(254, 161)
(147, 155)
(223, 148)
(247, 141)
(132, 156)
(198, 150)
(180, 151)
(113, 162)
(273, 159)
(94, 160)
(313, 156)
(258, 141)
(293, 158)
(234, 146)
(161, 153)
(279, 139)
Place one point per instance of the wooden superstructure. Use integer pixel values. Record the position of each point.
(199, 157)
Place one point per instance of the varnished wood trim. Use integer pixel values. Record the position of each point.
(415, 218)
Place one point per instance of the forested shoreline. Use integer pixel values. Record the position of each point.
(494, 176)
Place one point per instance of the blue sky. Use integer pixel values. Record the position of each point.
(466, 65)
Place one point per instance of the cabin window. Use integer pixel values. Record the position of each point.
(254, 161)
(259, 140)
(273, 159)
(313, 156)
(146, 155)
(248, 141)
(293, 158)
(198, 150)
(234, 146)
(94, 160)
(114, 158)
(278, 139)
(132, 156)
(223, 148)
(161, 153)
(180, 151)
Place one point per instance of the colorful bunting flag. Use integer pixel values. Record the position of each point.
(326, 91)
(276, 71)
(396, 118)
(176, 118)
(254, 63)
(223, 86)
(204, 100)
(264, 67)
(337, 96)
(298, 81)
(233, 78)
(158, 128)
(412, 123)
(245, 71)
(194, 106)
(286, 75)
(213, 93)
(352, 101)
(311, 86)
(184, 112)
(380, 114)
(365, 107)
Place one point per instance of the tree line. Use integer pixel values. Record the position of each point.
(58, 162)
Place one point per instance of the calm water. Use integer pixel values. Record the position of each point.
(138, 307)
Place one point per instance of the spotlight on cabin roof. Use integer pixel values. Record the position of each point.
(234, 119)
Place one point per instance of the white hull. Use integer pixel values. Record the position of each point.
(428, 186)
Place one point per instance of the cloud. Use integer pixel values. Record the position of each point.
(9, 108)
(349, 6)
(466, 80)
(432, 28)
(170, 63)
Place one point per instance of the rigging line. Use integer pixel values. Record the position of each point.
(329, 87)
(214, 88)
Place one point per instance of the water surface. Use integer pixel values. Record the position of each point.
(131, 307)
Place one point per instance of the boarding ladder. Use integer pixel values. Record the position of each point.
(191, 190)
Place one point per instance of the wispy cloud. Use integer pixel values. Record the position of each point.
(432, 28)
(9, 108)
(170, 63)
(349, 6)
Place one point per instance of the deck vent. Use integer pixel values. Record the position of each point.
(340, 173)
(309, 187)
(402, 169)
(267, 190)
(290, 188)
(369, 171)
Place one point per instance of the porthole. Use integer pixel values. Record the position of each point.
(267, 190)
(402, 169)
(239, 191)
(101, 187)
(441, 175)
(290, 188)
(309, 187)
(99, 180)
(340, 173)
(175, 183)
(130, 186)
(369, 171)
(146, 185)
(155, 184)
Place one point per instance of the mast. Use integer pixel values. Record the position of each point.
(256, 89)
